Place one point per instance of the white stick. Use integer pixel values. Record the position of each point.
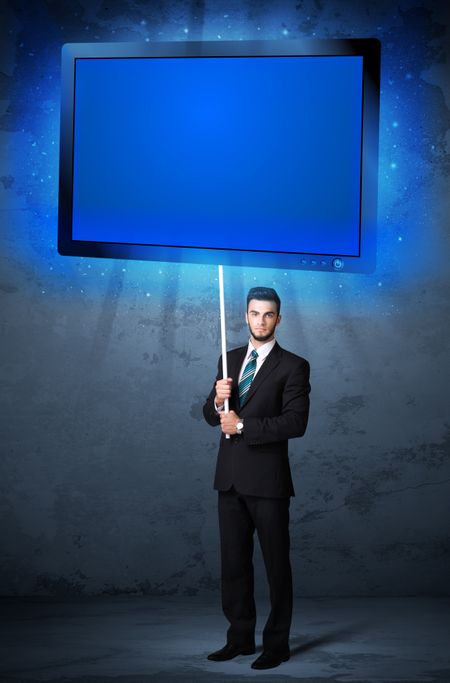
(223, 336)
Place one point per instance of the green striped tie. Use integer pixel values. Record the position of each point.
(247, 377)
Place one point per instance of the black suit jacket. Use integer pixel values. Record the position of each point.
(275, 410)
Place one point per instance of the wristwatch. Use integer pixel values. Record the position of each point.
(239, 426)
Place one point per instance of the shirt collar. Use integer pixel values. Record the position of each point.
(263, 350)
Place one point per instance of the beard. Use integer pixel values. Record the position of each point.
(261, 337)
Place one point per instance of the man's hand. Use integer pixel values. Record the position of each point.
(223, 390)
(228, 422)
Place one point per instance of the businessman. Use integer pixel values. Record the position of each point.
(268, 391)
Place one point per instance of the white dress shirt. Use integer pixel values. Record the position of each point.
(262, 351)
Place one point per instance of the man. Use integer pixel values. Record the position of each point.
(268, 391)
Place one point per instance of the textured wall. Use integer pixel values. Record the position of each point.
(106, 463)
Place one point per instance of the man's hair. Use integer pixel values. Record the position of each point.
(264, 294)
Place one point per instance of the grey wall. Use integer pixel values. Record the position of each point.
(106, 462)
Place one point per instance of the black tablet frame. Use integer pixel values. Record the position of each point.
(368, 48)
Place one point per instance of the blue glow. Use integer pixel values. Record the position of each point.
(30, 229)
(190, 152)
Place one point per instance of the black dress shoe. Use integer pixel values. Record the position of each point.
(269, 660)
(230, 651)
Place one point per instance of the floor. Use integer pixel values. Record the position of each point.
(137, 639)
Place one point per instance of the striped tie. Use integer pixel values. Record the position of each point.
(247, 377)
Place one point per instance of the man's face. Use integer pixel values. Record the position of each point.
(262, 319)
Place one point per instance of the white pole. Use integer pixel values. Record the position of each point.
(223, 336)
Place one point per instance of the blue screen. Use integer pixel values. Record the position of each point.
(248, 153)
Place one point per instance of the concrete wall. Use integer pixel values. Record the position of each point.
(106, 462)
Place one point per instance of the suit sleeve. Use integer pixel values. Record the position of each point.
(209, 411)
(293, 418)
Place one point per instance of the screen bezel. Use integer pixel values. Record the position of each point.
(368, 49)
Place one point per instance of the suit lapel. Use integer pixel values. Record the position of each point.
(266, 368)
(235, 366)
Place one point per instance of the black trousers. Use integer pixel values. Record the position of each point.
(239, 516)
